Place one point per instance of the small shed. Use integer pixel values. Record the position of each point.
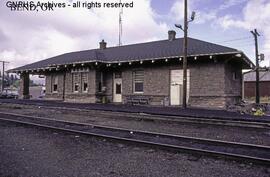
(250, 84)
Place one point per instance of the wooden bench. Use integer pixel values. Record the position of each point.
(138, 100)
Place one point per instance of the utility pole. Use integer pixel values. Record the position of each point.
(185, 58)
(185, 49)
(256, 34)
(3, 74)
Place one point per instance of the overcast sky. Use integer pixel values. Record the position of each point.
(26, 37)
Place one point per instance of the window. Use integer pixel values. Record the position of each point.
(99, 87)
(85, 82)
(54, 87)
(76, 87)
(118, 89)
(55, 83)
(85, 87)
(235, 77)
(76, 81)
(138, 81)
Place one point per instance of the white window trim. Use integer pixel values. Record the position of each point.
(76, 91)
(134, 82)
(234, 76)
(85, 91)
(55, 91)
(55, 83)
(137, 92)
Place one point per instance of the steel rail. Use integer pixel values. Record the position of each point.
(177, 119)
(155, 138)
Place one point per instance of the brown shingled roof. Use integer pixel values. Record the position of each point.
(143, 51)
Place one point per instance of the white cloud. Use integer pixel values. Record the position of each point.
(202, 16)
(230, 3)
(177, 10)
(256, 14)
(228, 21)
(26, 37)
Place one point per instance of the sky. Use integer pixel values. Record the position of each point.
(26, 37)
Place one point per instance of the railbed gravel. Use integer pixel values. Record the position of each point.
(31, 151)
(226, 133)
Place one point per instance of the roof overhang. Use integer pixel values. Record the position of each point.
(246, 62)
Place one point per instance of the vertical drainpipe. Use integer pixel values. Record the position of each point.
(64, 86)
(243, 86)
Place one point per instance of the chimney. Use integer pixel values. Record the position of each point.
(102, 44)
(171, 35)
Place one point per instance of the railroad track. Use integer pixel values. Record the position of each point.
(175, 119)
(162, 118)
(238, 151)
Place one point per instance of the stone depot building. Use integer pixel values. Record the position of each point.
(146, 73)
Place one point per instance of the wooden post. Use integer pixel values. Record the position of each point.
(185, 58)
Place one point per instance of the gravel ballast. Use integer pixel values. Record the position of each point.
(226, 133)
(30, 151)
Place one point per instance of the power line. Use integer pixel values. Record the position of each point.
(236, 43)
(244, 45)
(235, 39)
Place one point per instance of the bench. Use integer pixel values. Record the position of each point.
(138, 100)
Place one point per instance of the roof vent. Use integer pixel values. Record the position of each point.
(171, 35)
(102, 44)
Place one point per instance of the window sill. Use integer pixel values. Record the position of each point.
(138, 92)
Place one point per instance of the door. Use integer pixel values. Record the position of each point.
(117, 88)
(176, 87)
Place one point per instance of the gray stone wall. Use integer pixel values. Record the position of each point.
(156, 84)
(48, 80)
(50, 94)
(70, 95)
(211, 84)
(80, 98)
(157, 81)
(24, 86)
(68, 83)
(233, 79)
(92, 82)
(127, 80)
(207, 85)
(214, 85)
(108, 83)
(233, 82)
(207, 79)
